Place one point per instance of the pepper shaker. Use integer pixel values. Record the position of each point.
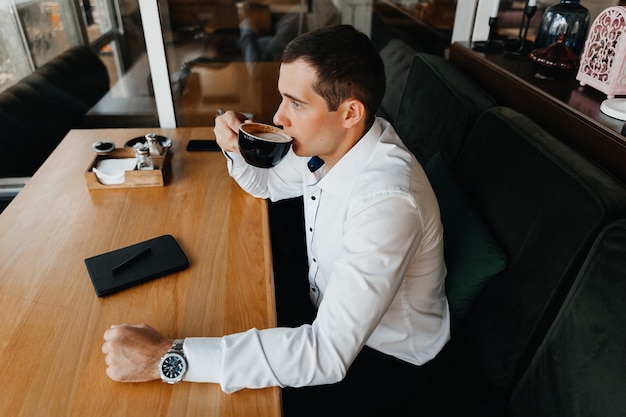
(153, 144)
(144, 160)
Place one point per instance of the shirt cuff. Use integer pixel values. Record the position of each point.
(204, 359)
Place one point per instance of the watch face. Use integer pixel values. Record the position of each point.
(172, 367)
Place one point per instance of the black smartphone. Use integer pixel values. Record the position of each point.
(200, 145)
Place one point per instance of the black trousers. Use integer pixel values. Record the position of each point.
(376, 384)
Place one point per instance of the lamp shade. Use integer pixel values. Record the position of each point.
(602, 63)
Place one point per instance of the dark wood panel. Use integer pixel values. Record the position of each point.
(568, 111)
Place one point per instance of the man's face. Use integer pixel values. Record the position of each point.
(303, 114)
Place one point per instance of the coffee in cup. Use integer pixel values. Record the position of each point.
(263, 145)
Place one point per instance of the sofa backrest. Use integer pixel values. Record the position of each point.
(37, 112)
(580, 370)
(397, 57)
(439, 105)
(544, 204)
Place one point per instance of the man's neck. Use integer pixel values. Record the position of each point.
(352, 138)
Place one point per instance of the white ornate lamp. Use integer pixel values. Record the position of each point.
(603, 61)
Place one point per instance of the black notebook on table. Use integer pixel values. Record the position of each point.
(125, 267)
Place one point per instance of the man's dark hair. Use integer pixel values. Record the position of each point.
(347, 64)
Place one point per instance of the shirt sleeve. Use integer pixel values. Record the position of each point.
(277, 183)
(379, 240)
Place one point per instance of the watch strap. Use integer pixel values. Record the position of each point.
(177, 347)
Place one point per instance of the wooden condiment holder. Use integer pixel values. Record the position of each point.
(135, 178)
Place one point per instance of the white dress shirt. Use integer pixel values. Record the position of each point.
(376, 271)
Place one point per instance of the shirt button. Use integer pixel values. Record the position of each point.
(314, 260)
(312, 197)
(313, 289)
(310, 229)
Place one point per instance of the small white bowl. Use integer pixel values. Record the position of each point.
(103, 147)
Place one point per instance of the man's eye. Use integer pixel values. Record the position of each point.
(296, 104)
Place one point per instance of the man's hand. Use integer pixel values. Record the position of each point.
(227, 130)
(133, 352)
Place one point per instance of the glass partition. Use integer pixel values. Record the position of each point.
(49, 27)
(97, 15)
(225, 54)
(32, 32)
(14, 58)
(115, 27)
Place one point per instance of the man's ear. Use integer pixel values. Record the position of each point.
(354, 113)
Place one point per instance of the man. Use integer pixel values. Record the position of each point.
(374, 242)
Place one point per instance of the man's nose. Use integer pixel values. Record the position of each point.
(278, 118)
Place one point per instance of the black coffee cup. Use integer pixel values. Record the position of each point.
(263, 145)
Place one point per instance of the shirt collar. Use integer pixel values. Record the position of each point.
(315, 163)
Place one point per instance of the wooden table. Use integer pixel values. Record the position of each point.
(52, 322)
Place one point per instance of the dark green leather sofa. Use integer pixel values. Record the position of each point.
(578, 370)
(521, 212)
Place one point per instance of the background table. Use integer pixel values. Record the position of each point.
(52, 323)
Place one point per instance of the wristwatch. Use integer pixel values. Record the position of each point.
(173, 364)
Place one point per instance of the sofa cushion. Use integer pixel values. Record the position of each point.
(439, 105)
(79, 72)
(472, 255)
(545, 204)
(31, 113)
(579, 369)
(37, 112)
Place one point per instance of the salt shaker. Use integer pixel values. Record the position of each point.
(144, 160)
(153, 144)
